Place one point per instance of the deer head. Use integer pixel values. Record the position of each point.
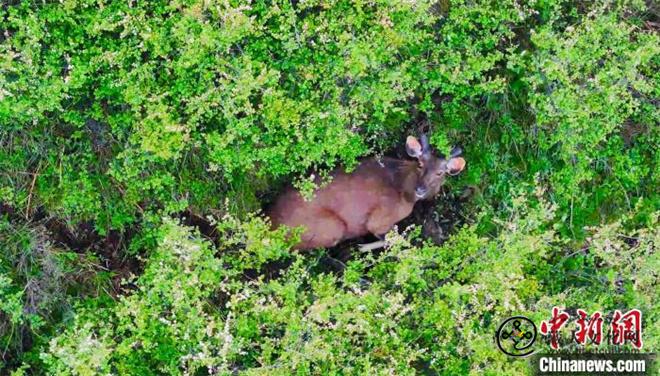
(432, 170)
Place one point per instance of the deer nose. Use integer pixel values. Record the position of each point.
(420, 192)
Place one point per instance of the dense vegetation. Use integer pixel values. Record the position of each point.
(139, 141)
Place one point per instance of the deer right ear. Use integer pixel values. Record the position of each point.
(455, 166)
(413, 147)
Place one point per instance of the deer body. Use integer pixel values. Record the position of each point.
(371, 199)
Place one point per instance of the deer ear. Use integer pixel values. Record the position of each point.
(413, 147)
(455, 166)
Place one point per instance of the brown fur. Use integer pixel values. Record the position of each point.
(371, 199)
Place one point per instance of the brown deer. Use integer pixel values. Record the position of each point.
(371, 199)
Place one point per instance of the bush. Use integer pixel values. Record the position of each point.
(405, 310)
(591, 86)
(126, 117)
(38, 284)
(160, 106)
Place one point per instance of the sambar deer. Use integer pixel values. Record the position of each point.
(371, 199)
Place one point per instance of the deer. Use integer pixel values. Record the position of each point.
(371, 199)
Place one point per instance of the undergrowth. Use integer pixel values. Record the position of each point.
(123, 117)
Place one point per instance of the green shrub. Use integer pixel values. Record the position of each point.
(119, 114)
(407, 309)
(38, 283)
(590, 84)
(120, 109)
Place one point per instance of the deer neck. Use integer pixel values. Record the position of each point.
(403, 176)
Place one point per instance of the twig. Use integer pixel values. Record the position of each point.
(34, 180)
(371, 246)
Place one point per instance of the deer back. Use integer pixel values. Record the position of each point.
(342, 209)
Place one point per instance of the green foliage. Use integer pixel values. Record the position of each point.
(123, 115)
(113, 110)
(590, 84)
(146, 332)
(171, 322)
(404, 310)
(38, 282)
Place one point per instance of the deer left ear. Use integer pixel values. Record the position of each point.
(413, 147)
(455, 166)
